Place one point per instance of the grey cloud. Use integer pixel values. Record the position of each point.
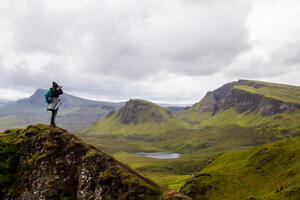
(123, 49)
(282, 60)
(288, 54)
(135, 41)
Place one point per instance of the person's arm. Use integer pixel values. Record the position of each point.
(60, 92)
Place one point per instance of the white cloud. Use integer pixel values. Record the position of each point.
(162, 50)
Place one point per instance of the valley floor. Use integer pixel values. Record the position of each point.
(172, 173)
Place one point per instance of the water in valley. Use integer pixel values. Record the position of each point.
(158, 155)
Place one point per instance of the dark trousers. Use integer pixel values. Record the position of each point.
(54, 113)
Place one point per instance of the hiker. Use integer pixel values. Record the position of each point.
(53, 101)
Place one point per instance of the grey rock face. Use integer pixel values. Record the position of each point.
(244, 101)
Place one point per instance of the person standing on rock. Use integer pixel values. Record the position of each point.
(52, 98)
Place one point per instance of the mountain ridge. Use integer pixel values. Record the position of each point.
(75, 109)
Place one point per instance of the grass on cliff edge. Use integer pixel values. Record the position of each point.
(8, 151)
(270, 171)
(282, 92)
(288, 118)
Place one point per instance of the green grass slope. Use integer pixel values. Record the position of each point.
(270, 171)
(195, 147)
(200, 111)
(138, 118)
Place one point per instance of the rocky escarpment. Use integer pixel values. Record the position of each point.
(231, 96)
(140, 111)
(211, 103)
(228, 96)
(246, 101)
(54, 164)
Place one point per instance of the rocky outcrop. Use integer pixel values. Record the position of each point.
(223, 91)
(208, 104)
(55, 164)
(244, 101)
(241, 100)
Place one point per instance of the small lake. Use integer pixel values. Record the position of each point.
(159, 155)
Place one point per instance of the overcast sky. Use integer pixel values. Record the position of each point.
(171, 51)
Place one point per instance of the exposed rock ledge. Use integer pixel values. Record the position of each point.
(55, 164)
(244, 101)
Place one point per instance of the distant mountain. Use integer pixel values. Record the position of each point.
(75, 114)
(165, 105)
(4, 102)
(270, 171)
(175, 109)
(137, 117)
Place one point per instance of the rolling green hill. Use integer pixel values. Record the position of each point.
(270, 171)
(138, 118)
(75, 114)
(228, 119)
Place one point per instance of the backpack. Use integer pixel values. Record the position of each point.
(48, 96)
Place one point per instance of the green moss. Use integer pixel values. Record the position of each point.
(136, 186)
(8, 150)
(71, 144)
(131, 186)
(89, 154)
(106, 177)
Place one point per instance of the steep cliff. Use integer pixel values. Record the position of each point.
(244, 101)
(244, 96)
(43, 163)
